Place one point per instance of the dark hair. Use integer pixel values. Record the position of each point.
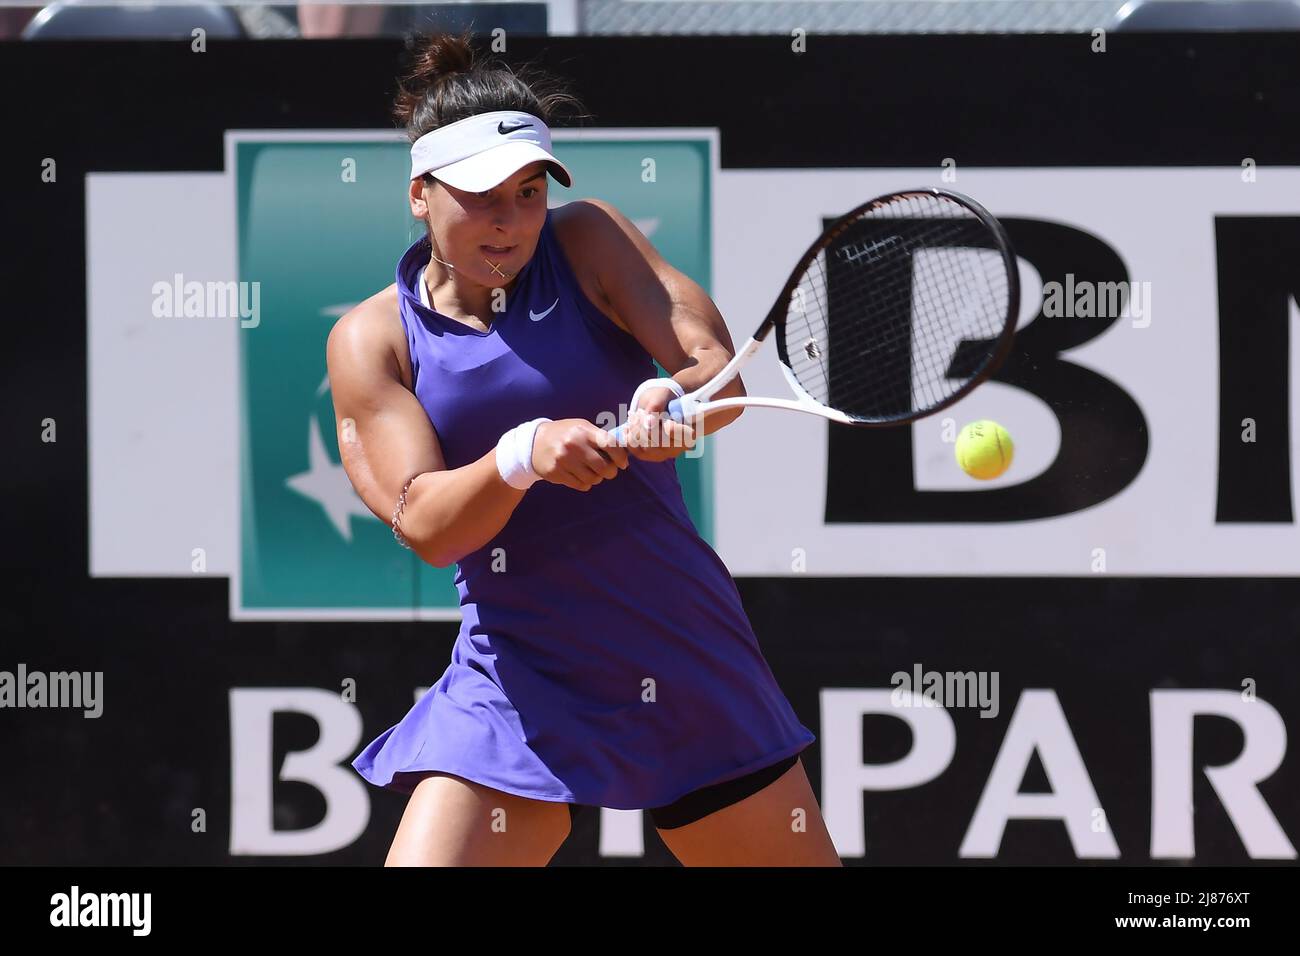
(446, 81)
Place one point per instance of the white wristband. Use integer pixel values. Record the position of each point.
(515, 455)
(669, 383)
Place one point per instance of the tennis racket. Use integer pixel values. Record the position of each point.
(900, 308)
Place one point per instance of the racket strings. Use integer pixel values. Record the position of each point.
(899, 309)
(928, 348)
(884, 300)
(915, 301)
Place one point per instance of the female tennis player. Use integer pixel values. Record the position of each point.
(604, 659)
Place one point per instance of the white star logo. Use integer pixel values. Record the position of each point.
(324, 482)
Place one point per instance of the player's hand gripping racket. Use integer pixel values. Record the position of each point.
(899, 309)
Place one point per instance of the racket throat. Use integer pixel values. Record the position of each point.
(724, 377)
(805, 399)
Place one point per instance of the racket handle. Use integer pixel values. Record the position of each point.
(674, 412)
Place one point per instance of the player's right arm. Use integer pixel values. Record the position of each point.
(385, 437)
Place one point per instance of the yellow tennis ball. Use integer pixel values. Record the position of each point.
(984, 449)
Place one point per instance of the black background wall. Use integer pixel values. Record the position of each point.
(121, 789)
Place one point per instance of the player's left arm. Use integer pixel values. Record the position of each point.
(664, 309)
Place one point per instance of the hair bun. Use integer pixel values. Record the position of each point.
(443, 81)
(433, 58)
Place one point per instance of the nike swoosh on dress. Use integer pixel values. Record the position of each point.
(537, 317)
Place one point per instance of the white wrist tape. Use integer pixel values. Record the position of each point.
(515, 455)
(650, 383)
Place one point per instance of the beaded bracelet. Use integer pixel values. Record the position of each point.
(401, 503)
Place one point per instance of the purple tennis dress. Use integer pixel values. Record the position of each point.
(604, 657)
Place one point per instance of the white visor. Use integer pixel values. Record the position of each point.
(479, 152)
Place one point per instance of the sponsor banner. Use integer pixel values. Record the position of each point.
(1148, 394)
(1095, 721)
(321, 219)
